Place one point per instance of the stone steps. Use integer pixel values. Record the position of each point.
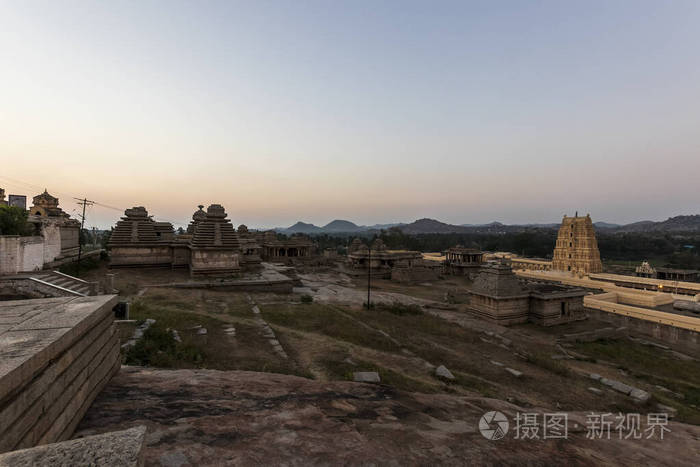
(56, 355)
(64, 281)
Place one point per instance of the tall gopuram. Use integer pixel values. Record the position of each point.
(215, 248)
(577, 249)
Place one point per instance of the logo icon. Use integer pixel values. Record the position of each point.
(493, 425)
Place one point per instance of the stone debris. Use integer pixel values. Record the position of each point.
(636, 393)
(176, 335)
(114, 449)
(366, 377)
(138, 333)
(202, 331)
(595, 376)
(267, 332)
(230, 331)
(596, 391)
(174, 459)
(513, 372)
(443, 372)
(497, 363)
(639, 394)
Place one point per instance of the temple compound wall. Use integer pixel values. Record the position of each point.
(576, 250)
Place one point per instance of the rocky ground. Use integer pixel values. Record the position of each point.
(208, 417)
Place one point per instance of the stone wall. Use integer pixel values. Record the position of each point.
(19, 254)
(57, 354)
(211, 262)
(549, 312)
(141, 255)
(502, 311)
(684, 339)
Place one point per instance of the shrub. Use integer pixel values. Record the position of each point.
(400, 309)
(307, 298)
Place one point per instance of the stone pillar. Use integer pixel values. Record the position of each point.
(110, 283)
(93, 288)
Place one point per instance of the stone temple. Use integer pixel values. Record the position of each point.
(576, 250)
(212, 247)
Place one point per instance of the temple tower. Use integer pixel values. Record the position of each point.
(576, 249)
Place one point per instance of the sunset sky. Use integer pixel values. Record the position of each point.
(375, 112)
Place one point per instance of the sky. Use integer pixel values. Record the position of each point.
(370, 111)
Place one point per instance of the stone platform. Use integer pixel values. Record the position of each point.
(56, 354)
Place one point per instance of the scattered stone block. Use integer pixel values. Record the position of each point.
(595, 376)
(596, 391)
(443, 372)
(497, 363)
(366, 377)
(513, 372)
(639, 394)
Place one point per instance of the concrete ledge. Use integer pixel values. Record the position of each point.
(118, 448)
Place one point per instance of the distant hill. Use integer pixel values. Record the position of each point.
(342, 226)
(426, 226)
(302, 227)
(432, 226)
(672, 224)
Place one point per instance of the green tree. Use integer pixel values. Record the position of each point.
(13, 221)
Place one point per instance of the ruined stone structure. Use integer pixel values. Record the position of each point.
(251, 251)
(460, 261)
(576, 249)
(645, 270)
(295, 248)
(398, 265)
(497, 295)
(136, 241)
(211, 247)
(215, 248)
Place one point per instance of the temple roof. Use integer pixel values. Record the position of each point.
(498, 280)
(215, 231)
(138, 227)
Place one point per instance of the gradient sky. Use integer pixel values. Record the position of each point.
(376, 111)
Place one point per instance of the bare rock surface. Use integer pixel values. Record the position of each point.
(116, 449)
(208, 417)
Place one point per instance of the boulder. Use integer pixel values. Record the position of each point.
(443, 372)
(515, 373)
(366, 377)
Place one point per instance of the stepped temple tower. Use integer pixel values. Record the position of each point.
(137, 240)
(577, 249)
(215, 246)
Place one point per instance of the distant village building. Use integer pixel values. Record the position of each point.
(576, 250)
(2, 197)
